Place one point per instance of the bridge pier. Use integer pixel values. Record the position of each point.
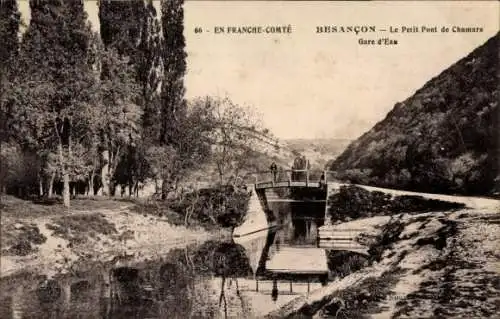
(261, 194)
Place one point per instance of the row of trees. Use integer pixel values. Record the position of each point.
(108, 108)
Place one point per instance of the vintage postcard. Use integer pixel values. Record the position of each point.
(249, 159)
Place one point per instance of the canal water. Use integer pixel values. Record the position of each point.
(241, 278)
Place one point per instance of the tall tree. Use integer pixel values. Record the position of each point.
(55, 91)
(121, 25)
(133, 30)
(172, 108)
(173, 104)
(158, 58)
(150, 71)
(9, 27)
(118, 121)
(10, 21)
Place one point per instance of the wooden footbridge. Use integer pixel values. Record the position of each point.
(292, 178)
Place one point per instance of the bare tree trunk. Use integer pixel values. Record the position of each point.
(176, 185)
(112, 188)
(164, 191)
(136, 189)
(66, 197)
(211, 212)
(91, 184)
(50, 191)
(105, 174)
(221, 179)
(165, 187)
(40, 186)
(190, 210)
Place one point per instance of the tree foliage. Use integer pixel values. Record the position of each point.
(54, 82)
(233, 133)
(133, 30)
(73, 97)
(107, 109)
(223, 206)
(118, 120)
(9, 28)
(174, 68)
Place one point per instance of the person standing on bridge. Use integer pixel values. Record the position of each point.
(322, 180)
(274, 171)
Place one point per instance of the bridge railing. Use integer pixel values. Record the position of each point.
(294, 175)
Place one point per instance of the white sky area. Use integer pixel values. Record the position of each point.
(308, 85)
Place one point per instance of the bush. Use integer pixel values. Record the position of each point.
(355, 176)
(21, 248)
(21, 239)
(356, 202)
(343, 263)
(223, 206)
(385, 240)
(77, 228)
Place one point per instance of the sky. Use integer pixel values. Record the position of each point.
(326, 85)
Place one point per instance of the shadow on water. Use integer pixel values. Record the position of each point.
(211, 280)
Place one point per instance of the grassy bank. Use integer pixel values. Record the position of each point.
(49, 239)
(13, 207)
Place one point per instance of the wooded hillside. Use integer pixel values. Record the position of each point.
(443, 139)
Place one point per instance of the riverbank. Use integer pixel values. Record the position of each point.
(50, 240)
(439, 264)
(420, 264)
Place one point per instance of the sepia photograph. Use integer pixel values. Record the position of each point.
(177, 159)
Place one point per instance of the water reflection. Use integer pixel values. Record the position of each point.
(212, 280)
(299, 220)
